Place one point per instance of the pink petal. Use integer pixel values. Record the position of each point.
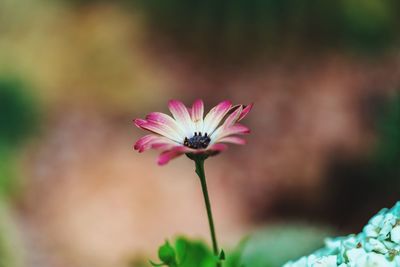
(160, 128)
(139, 122)
(233, 118)
(168, 155)
(163, 145)
(153, 141)
(160, 117)
(167, 120)
(245, 111)
(181, 115)
(143, 141)
(197, 113)
(197, 110)
(214, 117)
(234, 129)
(218, 147)
(233, 140)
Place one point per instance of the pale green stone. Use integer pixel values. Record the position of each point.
(376, 221)
(355, 253)
(395, 234)
(378, 245)
(371, 231)
(325, 261)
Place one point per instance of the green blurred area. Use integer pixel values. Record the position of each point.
(268, 247)
(18, 113)
(375, 173)
(11, 254)
(275, 245)
(8, 179)
(241, 29)
(387, 155)
(237, 30)
(18, 120)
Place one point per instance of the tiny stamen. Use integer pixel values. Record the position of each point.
(198, 141)
(186, 141)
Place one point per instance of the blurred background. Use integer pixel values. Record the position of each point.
(323, 156)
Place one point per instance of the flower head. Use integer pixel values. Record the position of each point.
(189, 132)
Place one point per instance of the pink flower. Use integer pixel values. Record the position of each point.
(187, 132)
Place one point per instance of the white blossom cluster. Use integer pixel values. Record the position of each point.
(378, 245)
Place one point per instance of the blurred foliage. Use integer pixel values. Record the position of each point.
(369, 25)
(8, 181)
(270, 247)
(18, 114)
(276, 245)
(185, 253)
(376, 173)
(237, 29)
(10, 255)
(18, 119)
(381, 169)
(387, 155)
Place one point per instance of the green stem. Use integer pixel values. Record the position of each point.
(200, 172)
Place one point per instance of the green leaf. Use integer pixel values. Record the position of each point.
(222, 255)
(193, 253)
(186, 253)
(156, 264)
(167, 254)
(273, 246)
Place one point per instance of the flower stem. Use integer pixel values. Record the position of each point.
(200, 172)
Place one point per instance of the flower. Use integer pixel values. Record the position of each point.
(188, 132)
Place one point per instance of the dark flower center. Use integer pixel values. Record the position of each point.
(198, 141)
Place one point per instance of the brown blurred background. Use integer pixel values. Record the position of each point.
(325, 142)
